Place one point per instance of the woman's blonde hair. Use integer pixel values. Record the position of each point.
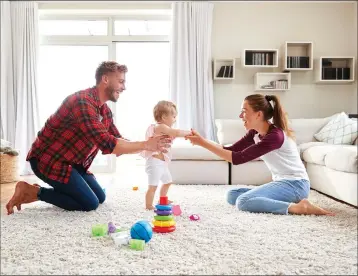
(163, 108)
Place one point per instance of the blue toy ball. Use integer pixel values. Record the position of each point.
(142, 230)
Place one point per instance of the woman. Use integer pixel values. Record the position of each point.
(274, 143)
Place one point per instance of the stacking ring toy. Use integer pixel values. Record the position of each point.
(163, 218)
(163, 207)
(164, 229)
(163, 223)
(163, 213)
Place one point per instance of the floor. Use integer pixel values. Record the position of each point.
(130, 170)
(45, 240)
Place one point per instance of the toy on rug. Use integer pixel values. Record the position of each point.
(142, 230)
(194, 217)
(176, 210)
(99, 230)
(135, 188)
(137, 244)
(164, 221)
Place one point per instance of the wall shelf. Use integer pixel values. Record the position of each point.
(298, 56)
(224, 69)
(335, 70)
(272, 81)
(260, 58)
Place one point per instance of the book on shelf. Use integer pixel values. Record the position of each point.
(258, 58)
(335, 73)
(298, 62)
(277, 84)
(226, 71)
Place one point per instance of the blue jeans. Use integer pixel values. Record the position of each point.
(81, 193)
(274, 197)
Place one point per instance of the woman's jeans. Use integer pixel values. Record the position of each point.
(81, 193)
(274, 197)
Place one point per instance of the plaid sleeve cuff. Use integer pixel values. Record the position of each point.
(112, 142)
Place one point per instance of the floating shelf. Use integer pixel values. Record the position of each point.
(298, 56)
(272, 81)
(335, 70)
(224, 69)
(260, 58)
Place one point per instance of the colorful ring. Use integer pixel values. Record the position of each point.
(163, 229)
(167, 223)
(163, 213)
(163, 207)
(164, 218)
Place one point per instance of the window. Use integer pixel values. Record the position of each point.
(142, 27)
(73, 27)
(71, 49)
(147, 82)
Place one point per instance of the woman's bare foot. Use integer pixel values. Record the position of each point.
(24, 193)
(304, 207)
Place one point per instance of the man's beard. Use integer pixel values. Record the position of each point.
(110, 93)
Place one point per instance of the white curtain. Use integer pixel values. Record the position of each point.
(191, 86)
(20, 46)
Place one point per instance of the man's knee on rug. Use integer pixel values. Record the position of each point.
(91, 205)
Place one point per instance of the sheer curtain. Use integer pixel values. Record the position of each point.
(20, 45)
(191, 86)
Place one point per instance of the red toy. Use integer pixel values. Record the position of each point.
(163, 200)
(163, 229)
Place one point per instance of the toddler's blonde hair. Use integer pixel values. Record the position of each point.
(163, 108)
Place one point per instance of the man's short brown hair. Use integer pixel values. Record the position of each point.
(163, 108)
(109, 67)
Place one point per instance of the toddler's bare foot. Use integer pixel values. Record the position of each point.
(149, 208)
(304, 207)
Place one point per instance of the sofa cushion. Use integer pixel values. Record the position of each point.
(305, 129)
(338, 157)
(342, 159)
(229, 130)
(339, 130)
(184, 150)
(304, 146)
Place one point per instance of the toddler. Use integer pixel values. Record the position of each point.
(156, 166)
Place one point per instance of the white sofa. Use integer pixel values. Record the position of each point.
(332, 169)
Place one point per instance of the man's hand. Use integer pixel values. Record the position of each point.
(158, 143)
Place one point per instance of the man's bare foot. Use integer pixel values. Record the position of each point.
(304, 207)
(24, 193)
(149, 208)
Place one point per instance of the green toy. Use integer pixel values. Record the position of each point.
(99, 230)
(137, 244)
(163, 218)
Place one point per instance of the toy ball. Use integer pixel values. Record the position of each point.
(142, 230)
(194, 217)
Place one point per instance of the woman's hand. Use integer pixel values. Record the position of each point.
(195, 138)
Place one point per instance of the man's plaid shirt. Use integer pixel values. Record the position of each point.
(73, 135)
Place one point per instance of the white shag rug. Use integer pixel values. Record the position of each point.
(43, 239)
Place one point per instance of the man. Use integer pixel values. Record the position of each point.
(71, 138)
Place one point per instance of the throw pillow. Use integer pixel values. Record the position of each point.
(340, 130)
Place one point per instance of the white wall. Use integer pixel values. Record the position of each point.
(331, 26)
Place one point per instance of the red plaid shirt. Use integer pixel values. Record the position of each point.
(73, 135)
